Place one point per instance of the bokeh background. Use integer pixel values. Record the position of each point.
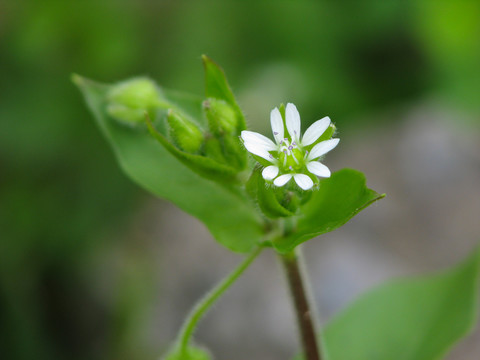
(92, 267)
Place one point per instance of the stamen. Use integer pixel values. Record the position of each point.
(294, 158)
(290, 167)
(275, 133)
(290, 147)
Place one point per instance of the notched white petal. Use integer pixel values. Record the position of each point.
(292, 120)
(270, 172)
(315, 131)
(258, 139)
(322, 148)
(318, 169)
(277, 125)
(282, 179)
(303, 181)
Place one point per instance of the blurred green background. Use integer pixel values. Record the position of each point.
(64, 204)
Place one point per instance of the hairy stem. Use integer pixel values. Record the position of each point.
(305, 317)
(206, 302)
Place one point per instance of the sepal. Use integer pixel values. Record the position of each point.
(274, 202)
(184, 132)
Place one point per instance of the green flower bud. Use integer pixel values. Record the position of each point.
(222, 118)
(126, 114)
(139, 93)
(185, 133)
(129, 100)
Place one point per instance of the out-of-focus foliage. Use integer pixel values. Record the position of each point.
(63, 200)
(415, 319)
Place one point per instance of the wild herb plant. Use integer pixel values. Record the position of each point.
(253, 194)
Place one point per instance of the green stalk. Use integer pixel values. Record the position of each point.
(305, 317)
(206, 302)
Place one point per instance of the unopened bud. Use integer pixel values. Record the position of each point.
(185, 132)
(129, 100)
(222, 118)
(125, 113)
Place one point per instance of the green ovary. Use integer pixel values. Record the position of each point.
(287, 162)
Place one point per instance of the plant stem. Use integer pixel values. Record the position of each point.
(305, 318)
(208, 300)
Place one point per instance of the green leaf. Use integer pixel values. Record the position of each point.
(216, 86)
(338, 199)
(411, 319)
(230, 217)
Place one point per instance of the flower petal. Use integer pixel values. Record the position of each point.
(303, 181)
(270, 172)
(258, 139)
(282, 179)
(318, 169)
(292, 119)
(315, 131)
(322, 148)
(258, 150)
(277, 125)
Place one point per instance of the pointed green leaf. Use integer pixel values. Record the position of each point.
(216, 86)
(338, 199)
(411, 319)
(231, 218)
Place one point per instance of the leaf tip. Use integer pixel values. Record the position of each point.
(208, 63)
(77, 79)
(207, 60)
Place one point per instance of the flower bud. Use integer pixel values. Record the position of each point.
(129, 100)
(126, 114)
(222, 118)
(185, 133)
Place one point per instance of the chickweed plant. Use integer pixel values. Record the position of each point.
(258, 193)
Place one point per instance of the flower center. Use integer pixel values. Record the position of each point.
(290, 156)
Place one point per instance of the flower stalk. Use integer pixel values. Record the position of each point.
(190, 324)
(305, 316)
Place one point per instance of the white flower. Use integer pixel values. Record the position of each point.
(291, 156)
